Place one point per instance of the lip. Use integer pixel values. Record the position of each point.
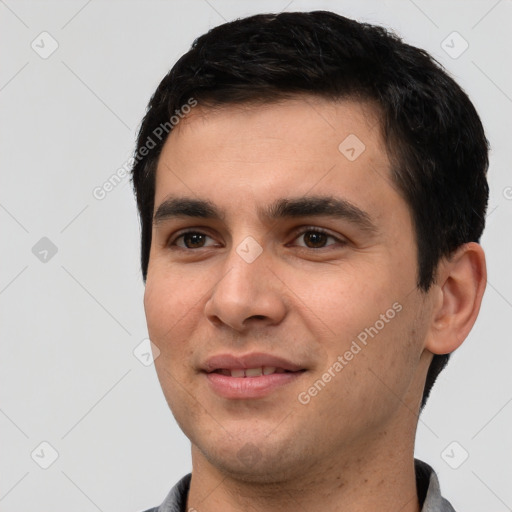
(255, 360)
(243, 388)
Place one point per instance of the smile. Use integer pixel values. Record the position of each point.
(249, 376)
(251, 372)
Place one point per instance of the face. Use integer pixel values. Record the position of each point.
(281, 288)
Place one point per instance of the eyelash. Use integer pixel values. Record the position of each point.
(172, 243)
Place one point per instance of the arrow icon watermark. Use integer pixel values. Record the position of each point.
(351, 147)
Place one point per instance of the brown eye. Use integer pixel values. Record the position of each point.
(192, 240)
(314, 239)
(317, 239)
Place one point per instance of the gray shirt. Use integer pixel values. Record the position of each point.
(427, 484)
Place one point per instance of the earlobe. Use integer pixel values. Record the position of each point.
(461, 282)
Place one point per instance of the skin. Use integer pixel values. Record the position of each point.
(351, 447)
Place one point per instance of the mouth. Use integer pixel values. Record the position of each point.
(251, 372)
(249, 376)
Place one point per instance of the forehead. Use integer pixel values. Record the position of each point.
(238, 155)
(315, 121)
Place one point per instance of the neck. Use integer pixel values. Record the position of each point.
(372, 477)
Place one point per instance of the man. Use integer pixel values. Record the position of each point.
(312, 192)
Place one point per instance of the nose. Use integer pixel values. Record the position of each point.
(247, 295)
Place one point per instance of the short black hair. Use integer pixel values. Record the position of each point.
(434, 137)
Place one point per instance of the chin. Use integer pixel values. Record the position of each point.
(257, 461)
(268, 471)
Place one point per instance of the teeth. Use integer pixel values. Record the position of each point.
(253, 372)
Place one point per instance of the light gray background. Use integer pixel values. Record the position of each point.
(70, 324)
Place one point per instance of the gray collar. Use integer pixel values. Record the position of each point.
(434, 502)
(426, 481)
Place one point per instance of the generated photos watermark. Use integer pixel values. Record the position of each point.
(355, 348)
(158, 134)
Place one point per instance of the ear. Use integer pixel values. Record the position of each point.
(459, 288)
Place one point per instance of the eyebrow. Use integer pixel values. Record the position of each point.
(305, 206)
(175, 207)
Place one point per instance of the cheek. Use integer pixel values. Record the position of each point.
(170, 297)
(164, 307)
(346, 299)
(156, 307)
(367, 313)
(169, 320)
